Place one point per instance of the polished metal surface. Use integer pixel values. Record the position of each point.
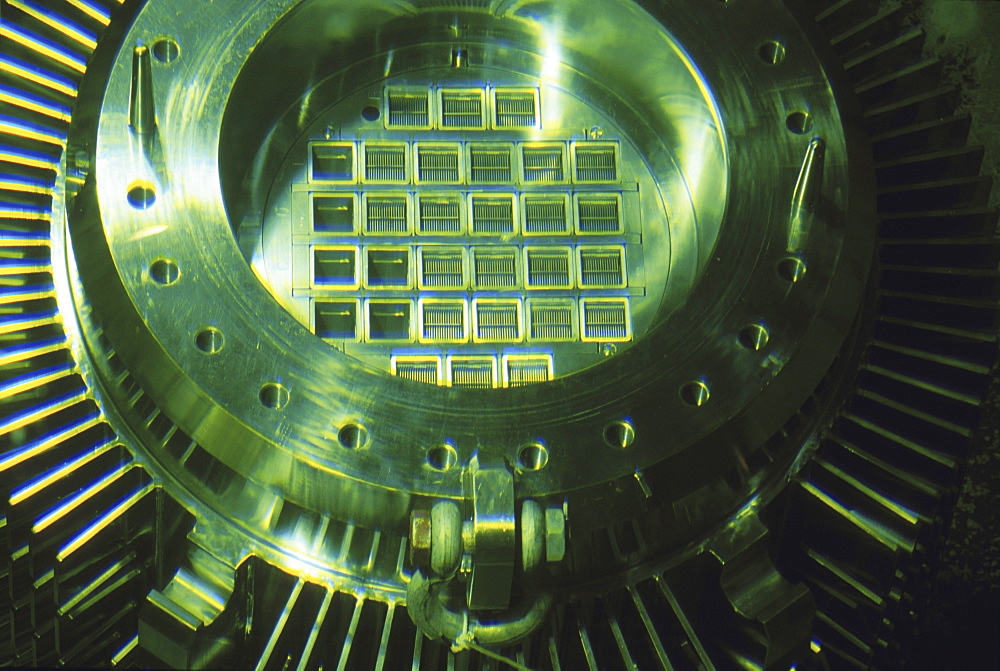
(475, 311)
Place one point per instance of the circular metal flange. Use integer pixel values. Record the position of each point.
(766, 194)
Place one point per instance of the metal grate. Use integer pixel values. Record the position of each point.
(463, 109)
(386, 163)
(598, 214)
(602, 267)
(386, 215)
(543, 163)
(474, 372)
(495, 268)
(417, 368)
(552, 320)
(498, 320)
(596, 163)
(490, 164)
(516, 108)
(441, 214)
(605, 319)
(438, 164)
(408, 109)
(548, 268)
(442, 268)
(521, 370)
(545, 215)
(443, 321)
(493, 215)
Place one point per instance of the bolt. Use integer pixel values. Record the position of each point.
(420, 537)
(596, 132)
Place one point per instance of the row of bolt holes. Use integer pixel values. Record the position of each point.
(443, 457)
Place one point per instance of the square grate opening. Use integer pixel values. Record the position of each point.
(490, 164)
(463, 109)
(442, 268)
(599, 214)
(443, 321)
(548, 268)
(336, 267)
(545, 215)
(387, 215)
(417, 368)
(389, 321)
(552, 320)
(495, 268)
(333, 162)
(493, 215)
(602, 267)
(596, 163)
(515, 108)
(497, 320)
(387, 268)
(473, 372)
(543, 163)
(606, 320)
(386, 163)
(438, 164)
(441, 214)
(336, 320)
(408, 109)
(333, 214)
(520, 370)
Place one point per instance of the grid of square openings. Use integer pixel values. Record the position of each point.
(459, 213)
(423, 108)
(475, 162)
(480, 371)
(443, 267)
(498, 320)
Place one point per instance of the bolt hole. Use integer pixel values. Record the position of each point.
(442, 457)
(141, 195)
(532, 457)
(166, 50)
(371, 113)
(274, 396)
(209, 340)
(164, 271)
(696, 393)
(353, 436)
(619, 434)
(791, 269)
(771, 52)
(799, 123)
(754, 337)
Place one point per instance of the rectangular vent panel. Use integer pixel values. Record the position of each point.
(475, 372)
(493, 215)
(408, 109)
(441, 214)
(443, 321)
(386, 215)
(389, 321)
(333, 162)
(442, 268)
(387, 268)
(497, 320)
(515, 108)
(543, 163)
(385, 163)
(596, 163)
(552, 320)
(548, 268)
(336, 267)
(490, 164)
(333, 214)
(602, 267)
(606, 320)
(463, 109)
(439, 164)
(599, 214)
(495, 268)
(545, 215)
(520, 370)
(417, 368)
